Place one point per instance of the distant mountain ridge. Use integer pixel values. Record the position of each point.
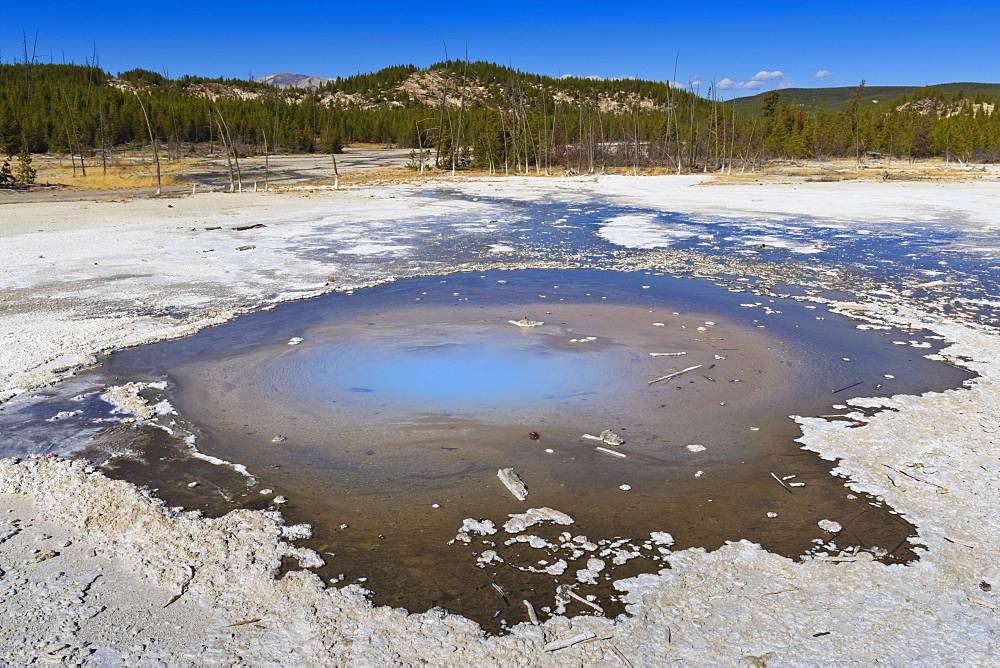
(289, 80)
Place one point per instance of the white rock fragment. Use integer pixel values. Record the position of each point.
(772, 515)
(513, 483)
(557, 568)
(521, 521)
(589, 574)
(829, 525)
(489, 557)
(62, 415)
(622, 556)
(661, 538)
(470, 525)
(297, 531)
(625, 488)
(695, 447)
(607, 436)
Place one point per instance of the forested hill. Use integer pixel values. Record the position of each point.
(837, 99)
(457, 114)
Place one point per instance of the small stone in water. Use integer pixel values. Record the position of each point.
(267, 491)
(611, 438)
(772, 515)
(278, 439)
(280, 500)
(533, 435)
(695, 447)
(192, 484)
(624, 488)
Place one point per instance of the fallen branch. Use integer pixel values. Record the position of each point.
(569, 642)
(846, 388)
(610, 452)
(782, 483)
(675, 374)
(910, 475)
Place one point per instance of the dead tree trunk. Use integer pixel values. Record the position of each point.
(152, 138)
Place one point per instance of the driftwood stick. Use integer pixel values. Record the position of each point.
(675, 374)
(846, 388)
(782, 483)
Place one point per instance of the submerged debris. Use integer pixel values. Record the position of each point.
(675, 374)
(513, 483)
(521, 521)
(607, 436)
(471, 525)
(526, 322)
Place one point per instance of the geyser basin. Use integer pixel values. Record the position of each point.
(399, 405)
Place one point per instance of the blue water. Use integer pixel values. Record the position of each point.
(898, 255)
(463, 375)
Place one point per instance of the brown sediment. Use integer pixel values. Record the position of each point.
(403, 477)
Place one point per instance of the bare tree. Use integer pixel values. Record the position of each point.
(152, 138)
(232, 150)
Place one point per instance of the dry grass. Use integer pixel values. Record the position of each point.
(139, 172)
(815, 171)
(369, 145)
(127, 176)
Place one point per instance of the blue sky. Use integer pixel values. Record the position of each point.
(745, 47)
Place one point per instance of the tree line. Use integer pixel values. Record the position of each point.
(470, 114)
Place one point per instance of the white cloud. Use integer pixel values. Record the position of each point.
(822, 74)
(764, 75)
(786, 84)
(729, 84)
(689, 84)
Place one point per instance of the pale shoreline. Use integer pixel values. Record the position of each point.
(123, 273)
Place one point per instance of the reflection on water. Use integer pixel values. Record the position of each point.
(462, 375)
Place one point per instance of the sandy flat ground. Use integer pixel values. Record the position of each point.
(85, 277)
